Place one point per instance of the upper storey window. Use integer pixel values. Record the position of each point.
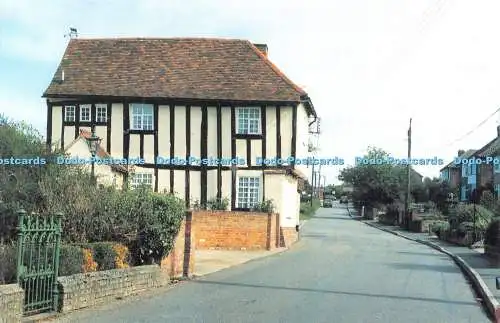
(85, 112)
(248, 121)
(69, 113)
(142, 116)
(101, 112)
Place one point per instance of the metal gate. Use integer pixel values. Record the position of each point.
(38, 246)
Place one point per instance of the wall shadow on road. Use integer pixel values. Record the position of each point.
(315, 235)
(332, 218)
(435, 268)
(325, 291)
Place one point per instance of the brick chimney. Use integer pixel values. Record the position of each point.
(460, 152)
(263, 48)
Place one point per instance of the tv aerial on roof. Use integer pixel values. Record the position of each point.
(73, 33)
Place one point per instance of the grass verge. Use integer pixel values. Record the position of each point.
(307, 210)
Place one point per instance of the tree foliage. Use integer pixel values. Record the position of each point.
(381, 182)
(146, 221)
(374, 182)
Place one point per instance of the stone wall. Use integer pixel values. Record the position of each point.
(11, 303)
(232, 230)
(90, 289)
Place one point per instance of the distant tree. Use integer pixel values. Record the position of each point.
(375, 182)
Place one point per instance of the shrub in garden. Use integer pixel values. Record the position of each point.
(465, 213)
(218, 204)
(109, 255)
(71, 260)
(89, 265)
(492, 237)
(8, 266)
(122, 256)
(440, 227)
(103, 254)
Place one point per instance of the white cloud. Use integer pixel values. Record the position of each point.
(368, 65)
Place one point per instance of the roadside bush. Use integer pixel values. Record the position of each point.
(439, 228)
(492, 237)
(307, 211)
(465, 213)
(488, 200)
(391, 214)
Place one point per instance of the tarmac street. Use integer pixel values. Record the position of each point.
(340, 271)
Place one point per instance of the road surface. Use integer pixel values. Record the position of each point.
(341, 271)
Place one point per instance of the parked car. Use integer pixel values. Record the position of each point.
(343, 199)
(327, 203)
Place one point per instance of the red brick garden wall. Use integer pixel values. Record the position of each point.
(235, 230)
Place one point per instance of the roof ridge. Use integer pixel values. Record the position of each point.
(276, 69)
(159, 38)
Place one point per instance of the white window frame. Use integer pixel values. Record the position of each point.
(243, 115)
(101, 116)
(88, 115)
(139, 179)
(69, 117)
(138, 116)
(243, 199)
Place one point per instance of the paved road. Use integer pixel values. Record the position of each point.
(341, 271)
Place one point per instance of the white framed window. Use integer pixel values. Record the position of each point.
(85, 112)
(139, 179)
(248, 192)
(69, 113)
(101, 112)
(142, 116)
(496, 167)
(248, 121)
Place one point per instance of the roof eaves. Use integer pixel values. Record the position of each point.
(276, 70)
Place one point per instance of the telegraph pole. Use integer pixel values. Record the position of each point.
(408, 189)
(312, 184)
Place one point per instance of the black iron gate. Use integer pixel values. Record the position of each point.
(38, 247)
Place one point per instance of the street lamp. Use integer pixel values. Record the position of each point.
(94, 143)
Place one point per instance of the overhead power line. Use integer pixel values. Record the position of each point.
(473, 130)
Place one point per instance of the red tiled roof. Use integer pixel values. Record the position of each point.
(191, 68)
(101, 153)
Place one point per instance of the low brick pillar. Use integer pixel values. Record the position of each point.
(181, 259)
(11, 303)
(288, 236)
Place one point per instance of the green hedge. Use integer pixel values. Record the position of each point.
(307, 211)
(70, 262)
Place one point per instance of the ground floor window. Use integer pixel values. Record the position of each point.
(140, 179)
(248, 192)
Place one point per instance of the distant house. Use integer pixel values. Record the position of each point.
(417, 175)
(488, 175)
(463, 177)
(108, 175)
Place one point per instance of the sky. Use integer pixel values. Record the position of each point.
(368, 66)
